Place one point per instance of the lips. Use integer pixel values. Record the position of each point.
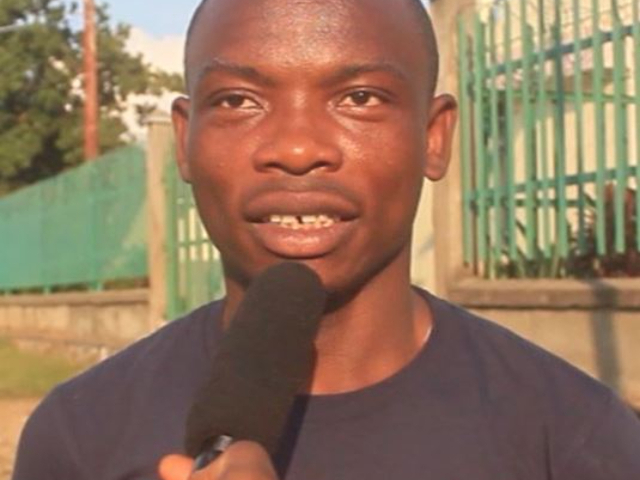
(300, 204)
(299, 225)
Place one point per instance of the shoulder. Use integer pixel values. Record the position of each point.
(175, 347)
(531, 396)
(89, 418)
(512, 360)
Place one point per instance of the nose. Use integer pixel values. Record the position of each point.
(298, 143)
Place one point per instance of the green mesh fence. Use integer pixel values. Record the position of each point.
(83, 227)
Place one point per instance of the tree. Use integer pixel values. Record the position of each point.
(41, 98)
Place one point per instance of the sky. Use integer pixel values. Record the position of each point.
(158, 27)
(157, 17)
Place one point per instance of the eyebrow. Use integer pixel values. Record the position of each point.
(341, 75)
(218, 65)
(352, 71)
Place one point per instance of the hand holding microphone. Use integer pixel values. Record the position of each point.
(263, 360)
(243, 460)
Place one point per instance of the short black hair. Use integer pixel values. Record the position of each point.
(421, 13)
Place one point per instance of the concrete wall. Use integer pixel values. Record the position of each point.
(85, 326)
(595, 325)
(603, 343)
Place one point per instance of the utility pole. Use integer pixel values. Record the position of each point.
(91, 148)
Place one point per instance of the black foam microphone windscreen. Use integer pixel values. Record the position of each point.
(263, 359)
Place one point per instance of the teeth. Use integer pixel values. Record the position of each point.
(304, 222)
(289, 220)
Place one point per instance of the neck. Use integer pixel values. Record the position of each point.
(368, 338)
(371, 337)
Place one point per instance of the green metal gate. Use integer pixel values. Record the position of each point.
(194, 270)
(550, 112)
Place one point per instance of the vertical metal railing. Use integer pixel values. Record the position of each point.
(497, 239)
(466, 140)
(194, 270)
(528, 54)
(578, 104)
(620, 125)
(542, 130)
(636, 62)
(600, 126)
(479, 60)
(509, 133)
(559, 129)
(550, 112)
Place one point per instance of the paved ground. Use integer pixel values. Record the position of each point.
(13, 414)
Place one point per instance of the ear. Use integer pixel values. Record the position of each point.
(180, 117)
(439, 136)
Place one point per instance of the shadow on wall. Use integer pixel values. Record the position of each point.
(607, 359)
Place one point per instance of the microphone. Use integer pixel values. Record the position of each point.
(263, 359)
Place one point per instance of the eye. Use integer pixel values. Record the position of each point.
(236, 101)
(361, 98)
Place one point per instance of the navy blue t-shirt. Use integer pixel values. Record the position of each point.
(477, 403)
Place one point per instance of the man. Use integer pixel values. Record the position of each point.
(306, 135)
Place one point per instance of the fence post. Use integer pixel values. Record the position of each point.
(159, 144)
(447, 205)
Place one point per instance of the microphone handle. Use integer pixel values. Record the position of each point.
(210, 453)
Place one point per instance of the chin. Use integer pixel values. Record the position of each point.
(343, 276)
(345, 281)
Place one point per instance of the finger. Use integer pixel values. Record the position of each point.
(246, 472)
(175, 467)
(246, 460)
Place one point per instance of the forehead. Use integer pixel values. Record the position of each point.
(304, 33)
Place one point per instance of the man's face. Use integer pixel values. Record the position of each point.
(306, 135)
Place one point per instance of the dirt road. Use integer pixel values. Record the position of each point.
(13, 414)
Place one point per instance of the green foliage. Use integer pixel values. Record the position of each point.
(584, 261)
(24, 374)
(41, 99)
(541, 266)
(612, 264)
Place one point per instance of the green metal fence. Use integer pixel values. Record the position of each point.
(194, 270)
(550, 112)
(83, 227)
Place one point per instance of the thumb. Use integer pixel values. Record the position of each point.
(175, 467)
